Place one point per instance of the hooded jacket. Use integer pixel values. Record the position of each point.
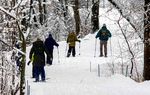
(103, 34)
(37, 52)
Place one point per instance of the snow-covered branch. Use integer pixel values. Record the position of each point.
(13, 47)
(126, 17)
(8, 13)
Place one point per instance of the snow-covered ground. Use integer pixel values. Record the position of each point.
(79, 75)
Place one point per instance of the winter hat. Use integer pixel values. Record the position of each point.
(38, 39)
(104, 24)
(50, 35)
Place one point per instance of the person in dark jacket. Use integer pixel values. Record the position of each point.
(49, 45)
(71, 40)
(103, 35)
(37, 55)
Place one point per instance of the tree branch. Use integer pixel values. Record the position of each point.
(124, 16)
(6, 12)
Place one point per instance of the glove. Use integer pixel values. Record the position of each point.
(58, 45)
(29, 62)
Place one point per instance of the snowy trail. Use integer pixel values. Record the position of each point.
(72, 75)
(76, 79)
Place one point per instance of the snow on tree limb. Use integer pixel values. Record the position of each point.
(13, 47)
(126, 17)
(8, 13)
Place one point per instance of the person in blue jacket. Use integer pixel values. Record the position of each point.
(49, 45)
(103, 35)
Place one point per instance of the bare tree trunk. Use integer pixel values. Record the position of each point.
(32, 12)
(45, 12)
(23, 61)
(64, 6)
(24, 22)
(41, 12)
(13, 76)
(22, 81)
(77, 16)
(13, 2)
(87, 4)
(147, 41)
(95, 16)
(2, 77)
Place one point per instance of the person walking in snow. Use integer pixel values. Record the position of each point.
(37, 55)
(49, 45)
(103, 35)
(71, 40)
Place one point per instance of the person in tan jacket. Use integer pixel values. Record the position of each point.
(71, 40)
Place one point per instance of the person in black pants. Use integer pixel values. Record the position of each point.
(49, 45)
(71, 40)
(37, 53)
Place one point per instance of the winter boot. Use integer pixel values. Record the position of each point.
(68, 54)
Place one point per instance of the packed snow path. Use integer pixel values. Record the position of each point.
(79, 75)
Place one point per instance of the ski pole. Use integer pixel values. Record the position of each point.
(58, 55)
(66, 45)
(79, 48)
(110, 47)
(66, 49)
(95, 48)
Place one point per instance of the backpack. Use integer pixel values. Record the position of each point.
(104, 33)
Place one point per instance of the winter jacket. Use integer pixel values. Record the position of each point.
(71, 39)
(103, 34)
(50, 43)
(37, 53)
